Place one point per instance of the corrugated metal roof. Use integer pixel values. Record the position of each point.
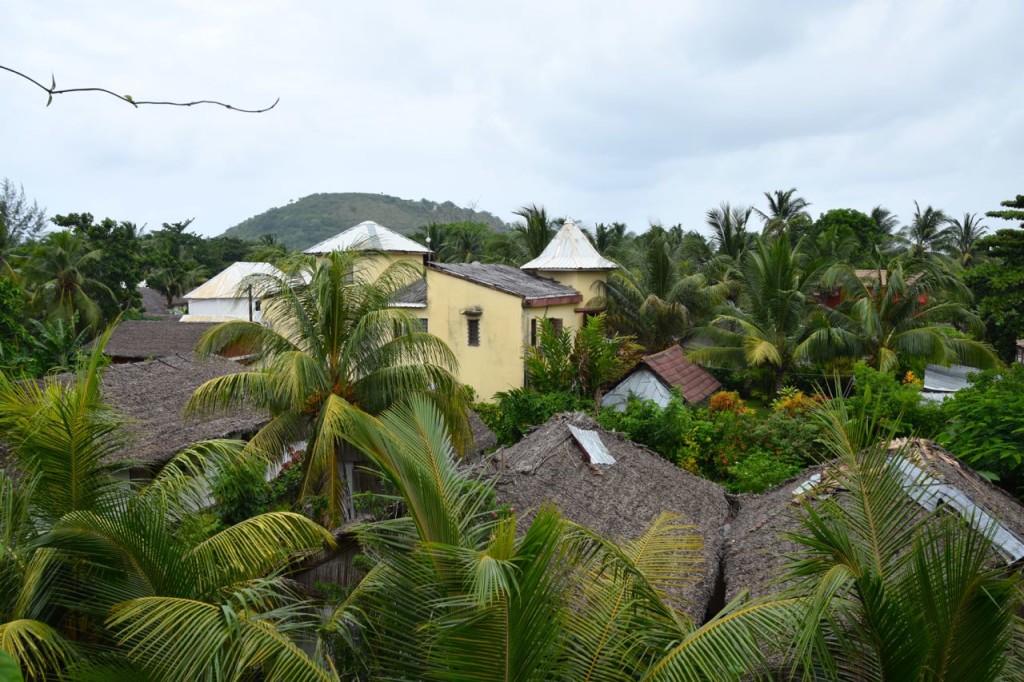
(930, 493)
(947, 379)
(570, 250)
(592, 445)
(225, 284)
(368, 236)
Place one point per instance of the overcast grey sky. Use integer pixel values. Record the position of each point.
(637, 112)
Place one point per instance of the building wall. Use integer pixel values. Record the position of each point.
(642, 384)
(583, 281)
(236, 308)
(496, 364)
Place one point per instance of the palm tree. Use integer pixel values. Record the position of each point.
(963, 236)
(334, 346)
(82, 553)
(886, 224)
(926, 234)
(54, 273)
(456, 593)
(891, 593)
(729, 233)
(783, 209)
(777, 324)
(268, 249)
(904, 312)
(655, 305)
(535, 232)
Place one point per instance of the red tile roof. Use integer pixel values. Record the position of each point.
(672, 367)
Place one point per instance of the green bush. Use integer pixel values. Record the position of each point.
(240, 490)
(984, 425)
(759, 471)
(896, 403)
(519, 409)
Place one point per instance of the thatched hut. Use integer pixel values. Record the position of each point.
(137, 340)
(756, 549)
(152, 395)
(617, 500)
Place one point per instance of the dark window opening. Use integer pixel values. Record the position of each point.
(533, 331)
(556, 324)
(424, 326)
(257, 304)
(474, 332)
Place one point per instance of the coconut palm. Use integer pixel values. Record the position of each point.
(54, 274)
(892, 593)
(904, 313)
(333, 346)
(962, 237)
(778, 323)
(886, 224)
(656, 305)
(783, 209)
(459, 593)
(536, 230)
(926, 234)
(81, 551)
(729, 233)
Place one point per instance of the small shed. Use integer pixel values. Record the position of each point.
(618, 500)
(224, 297)
(656, 375)
(757, 546)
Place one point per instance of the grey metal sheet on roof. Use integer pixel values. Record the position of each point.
(592, 445)
(506, 278)
(570, 250)
(929, 493)
(952, 378)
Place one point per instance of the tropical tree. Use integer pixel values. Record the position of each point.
(20, 222)
(962, 238)
(903, 312)
(998, 281)
(536, 230)
(333, 346)
(655, 305)
(90, 565)
(891, 592)
(785, 210)
(778, 323)
(729, 233)
(926, 234)
(268, 249)
(55, 275)
(457, 593)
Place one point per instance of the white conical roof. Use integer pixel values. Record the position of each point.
(570, 250)
(225, 284)
(368, 236)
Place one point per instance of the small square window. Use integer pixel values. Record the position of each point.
(556, 324)
(424, 326)
(474, 332)
(257, 304)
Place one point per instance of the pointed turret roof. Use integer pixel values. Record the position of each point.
(368, 235)
(570, 250)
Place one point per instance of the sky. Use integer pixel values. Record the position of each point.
(603, 111)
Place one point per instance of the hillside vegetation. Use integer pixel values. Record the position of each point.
(311, 219)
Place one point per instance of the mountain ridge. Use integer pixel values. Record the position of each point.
(303, 222)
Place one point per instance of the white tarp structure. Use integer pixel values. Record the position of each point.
(570, 250)
(592, 445)
(368, 236)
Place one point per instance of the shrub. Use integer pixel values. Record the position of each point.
(240, 490)
(519, 409)
(664, 430)
(726, 401)
(759, 471)
(984, 425)
(793, 402)
(897, 404)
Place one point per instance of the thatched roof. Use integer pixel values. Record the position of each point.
(756, 547)
(618, 500)
(151, 395)
(145, 339)
(484, 439)
(154, 304)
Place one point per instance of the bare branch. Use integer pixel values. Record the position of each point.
(52, 90)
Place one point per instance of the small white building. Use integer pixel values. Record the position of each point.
(228, 295)
(656, 376)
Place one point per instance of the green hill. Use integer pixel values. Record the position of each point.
(311, 219)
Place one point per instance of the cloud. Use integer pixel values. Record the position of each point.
(606, 111)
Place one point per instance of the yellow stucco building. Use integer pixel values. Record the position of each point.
(488, 313)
